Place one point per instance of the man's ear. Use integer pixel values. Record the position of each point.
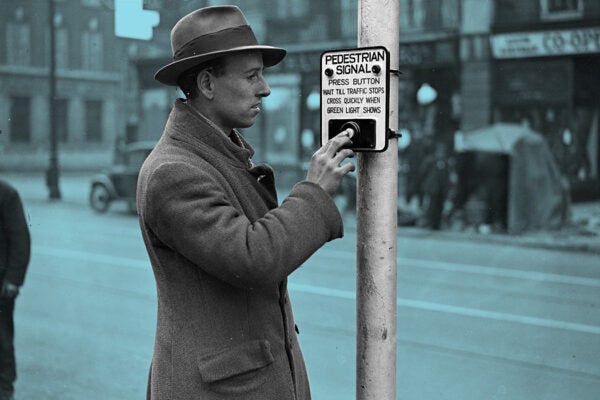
(205, 83)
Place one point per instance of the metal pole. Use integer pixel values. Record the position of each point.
(52, 171)
(377, 198)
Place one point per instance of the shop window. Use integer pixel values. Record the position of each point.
(18, 39)
(20, 125)
(92, 46)
(561, 9)
(93, 120)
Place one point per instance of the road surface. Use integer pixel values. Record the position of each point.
(475, 320)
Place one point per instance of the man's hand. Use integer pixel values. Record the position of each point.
(325, 169)
(9, 290)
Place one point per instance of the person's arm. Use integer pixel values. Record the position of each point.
(189, 211)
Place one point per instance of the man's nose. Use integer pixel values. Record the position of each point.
(265, 90)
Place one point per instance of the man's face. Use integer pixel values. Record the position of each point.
(239, 90)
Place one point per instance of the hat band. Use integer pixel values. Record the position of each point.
(218, 41)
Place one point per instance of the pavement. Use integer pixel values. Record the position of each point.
(581, 234)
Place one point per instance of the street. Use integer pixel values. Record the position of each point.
(475, 320)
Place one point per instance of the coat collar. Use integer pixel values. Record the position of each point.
(187, 125)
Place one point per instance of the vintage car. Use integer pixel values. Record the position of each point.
(119, 181)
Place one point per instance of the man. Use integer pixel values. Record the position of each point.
(221, 248)
(14, 258)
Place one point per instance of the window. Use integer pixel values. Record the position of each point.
(62, 42)
(91, 3)
(61, 119)
(20, 125)
(18, 40)
(349, 18)
(62, 48)
(92, 47)
(561, 9)
(292, 8)
(450, 14)
(93, 121)
(412, 15)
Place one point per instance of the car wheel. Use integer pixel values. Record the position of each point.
(99, 198)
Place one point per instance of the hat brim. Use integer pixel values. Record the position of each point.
(169, 74)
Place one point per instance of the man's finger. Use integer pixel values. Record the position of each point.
(342, 154)
(349, 132)
(340, 140)
(348, 167)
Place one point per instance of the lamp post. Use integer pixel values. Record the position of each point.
(52, 173)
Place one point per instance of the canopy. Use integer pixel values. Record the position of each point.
(537, 195)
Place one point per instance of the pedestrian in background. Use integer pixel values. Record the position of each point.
(14, 259)
(221, 247)
(436, 185)
(433, 166)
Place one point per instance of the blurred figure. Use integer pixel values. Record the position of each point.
(414, 155)
(432, 173)
(495, 169)
(14, 259)
(435, 185)
(421, 144)
(426, 98)
(483, 176)
(119, 150)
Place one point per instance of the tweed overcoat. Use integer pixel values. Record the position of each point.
(221, 250)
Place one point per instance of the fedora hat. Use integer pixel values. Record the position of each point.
(209, 33)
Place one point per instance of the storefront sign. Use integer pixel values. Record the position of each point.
(546, 43)
(354, 92)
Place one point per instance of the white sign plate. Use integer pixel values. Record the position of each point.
(546, 43)
(355, 87)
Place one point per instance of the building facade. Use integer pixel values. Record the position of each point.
(529, 61)
(89, 73)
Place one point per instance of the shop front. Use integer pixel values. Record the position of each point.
(436, 64)
(429, 112)
(549, 80)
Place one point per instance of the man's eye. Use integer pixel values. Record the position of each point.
(253, 77)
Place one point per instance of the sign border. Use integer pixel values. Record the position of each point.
(387, 94)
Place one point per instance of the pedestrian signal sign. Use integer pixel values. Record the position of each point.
(355, 95)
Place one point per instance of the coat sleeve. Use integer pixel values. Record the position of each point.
(190, 212)
(17, 233)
